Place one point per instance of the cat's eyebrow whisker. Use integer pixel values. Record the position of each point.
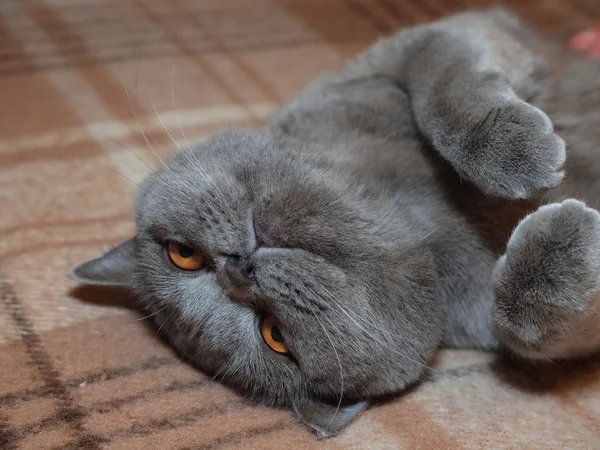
(206, 176)
(337, 355)
(152, 170)
(203, 174)
(137, 119)
(157, 178)
(178, 148)
(123, 167)
(128, 179)
(162, 124)
(115, 141)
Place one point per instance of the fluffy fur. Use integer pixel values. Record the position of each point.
(371, 218)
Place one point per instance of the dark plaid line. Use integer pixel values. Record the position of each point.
(183, 46)
(367, 16)
(73, 46)
(429, 10)
(241, 65)
(121, 17)
(8, 438)
(174, 387)
(108, 406)
(70, 411)
(121, 372)
(177, 386)
(239, 436)
(156, 363)
(399, 10)
(103, 375)
(392, 8)
(593, 4)
(139, 30)
(179, 421)
(42, 246)
(136, 56)
(444, 8)
(78, 221)
(585, 8)
(36, 428)
(60, 34)
(455, 5)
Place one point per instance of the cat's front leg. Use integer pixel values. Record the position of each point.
(471, 86)
(504, 145)
(470, 79)
(547, 285)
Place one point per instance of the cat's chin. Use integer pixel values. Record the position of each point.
(327, 420)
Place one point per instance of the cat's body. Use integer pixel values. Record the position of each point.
(372, 127)
(369, 215)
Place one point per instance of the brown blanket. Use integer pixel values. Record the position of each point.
(78, 367)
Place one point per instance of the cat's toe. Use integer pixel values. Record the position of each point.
(554, 256)
(519, 151)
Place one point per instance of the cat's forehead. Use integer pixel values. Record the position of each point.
(219, 176)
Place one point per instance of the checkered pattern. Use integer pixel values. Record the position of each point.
(81, 369)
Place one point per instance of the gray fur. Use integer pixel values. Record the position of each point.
(368, 217)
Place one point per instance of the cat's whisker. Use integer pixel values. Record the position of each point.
(157, 178)
(162, 124)
(337, 356)
(224, 373)
(371, 335)
(167, 318)
(149, 315)
(128, 179)
(115, 141)
(175, 107)
(206, 176)
(123, 167)
(152, 170)
(210, 382)
(138, 120)
(203, 174)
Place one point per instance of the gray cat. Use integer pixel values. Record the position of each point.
(411, 200)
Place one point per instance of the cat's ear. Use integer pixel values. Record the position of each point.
(325, 419)
(114, 268)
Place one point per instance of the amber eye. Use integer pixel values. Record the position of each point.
(271, 334)
(185, 257)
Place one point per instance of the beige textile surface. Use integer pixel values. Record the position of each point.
(76, 368)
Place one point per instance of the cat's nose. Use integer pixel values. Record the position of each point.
(241, 267)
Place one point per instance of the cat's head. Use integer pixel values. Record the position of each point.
(283, 274)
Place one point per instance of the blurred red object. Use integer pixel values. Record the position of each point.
(587, 41)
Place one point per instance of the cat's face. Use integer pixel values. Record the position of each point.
(282, 274)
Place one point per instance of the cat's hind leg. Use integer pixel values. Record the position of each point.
(547, 285)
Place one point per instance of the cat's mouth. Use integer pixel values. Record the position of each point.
(237, 275)
(237, 279)
(240, 295)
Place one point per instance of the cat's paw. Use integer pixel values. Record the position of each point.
(513, 151)
(554, 253)
(548, 281)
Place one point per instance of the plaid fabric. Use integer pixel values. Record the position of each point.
(78, 367)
